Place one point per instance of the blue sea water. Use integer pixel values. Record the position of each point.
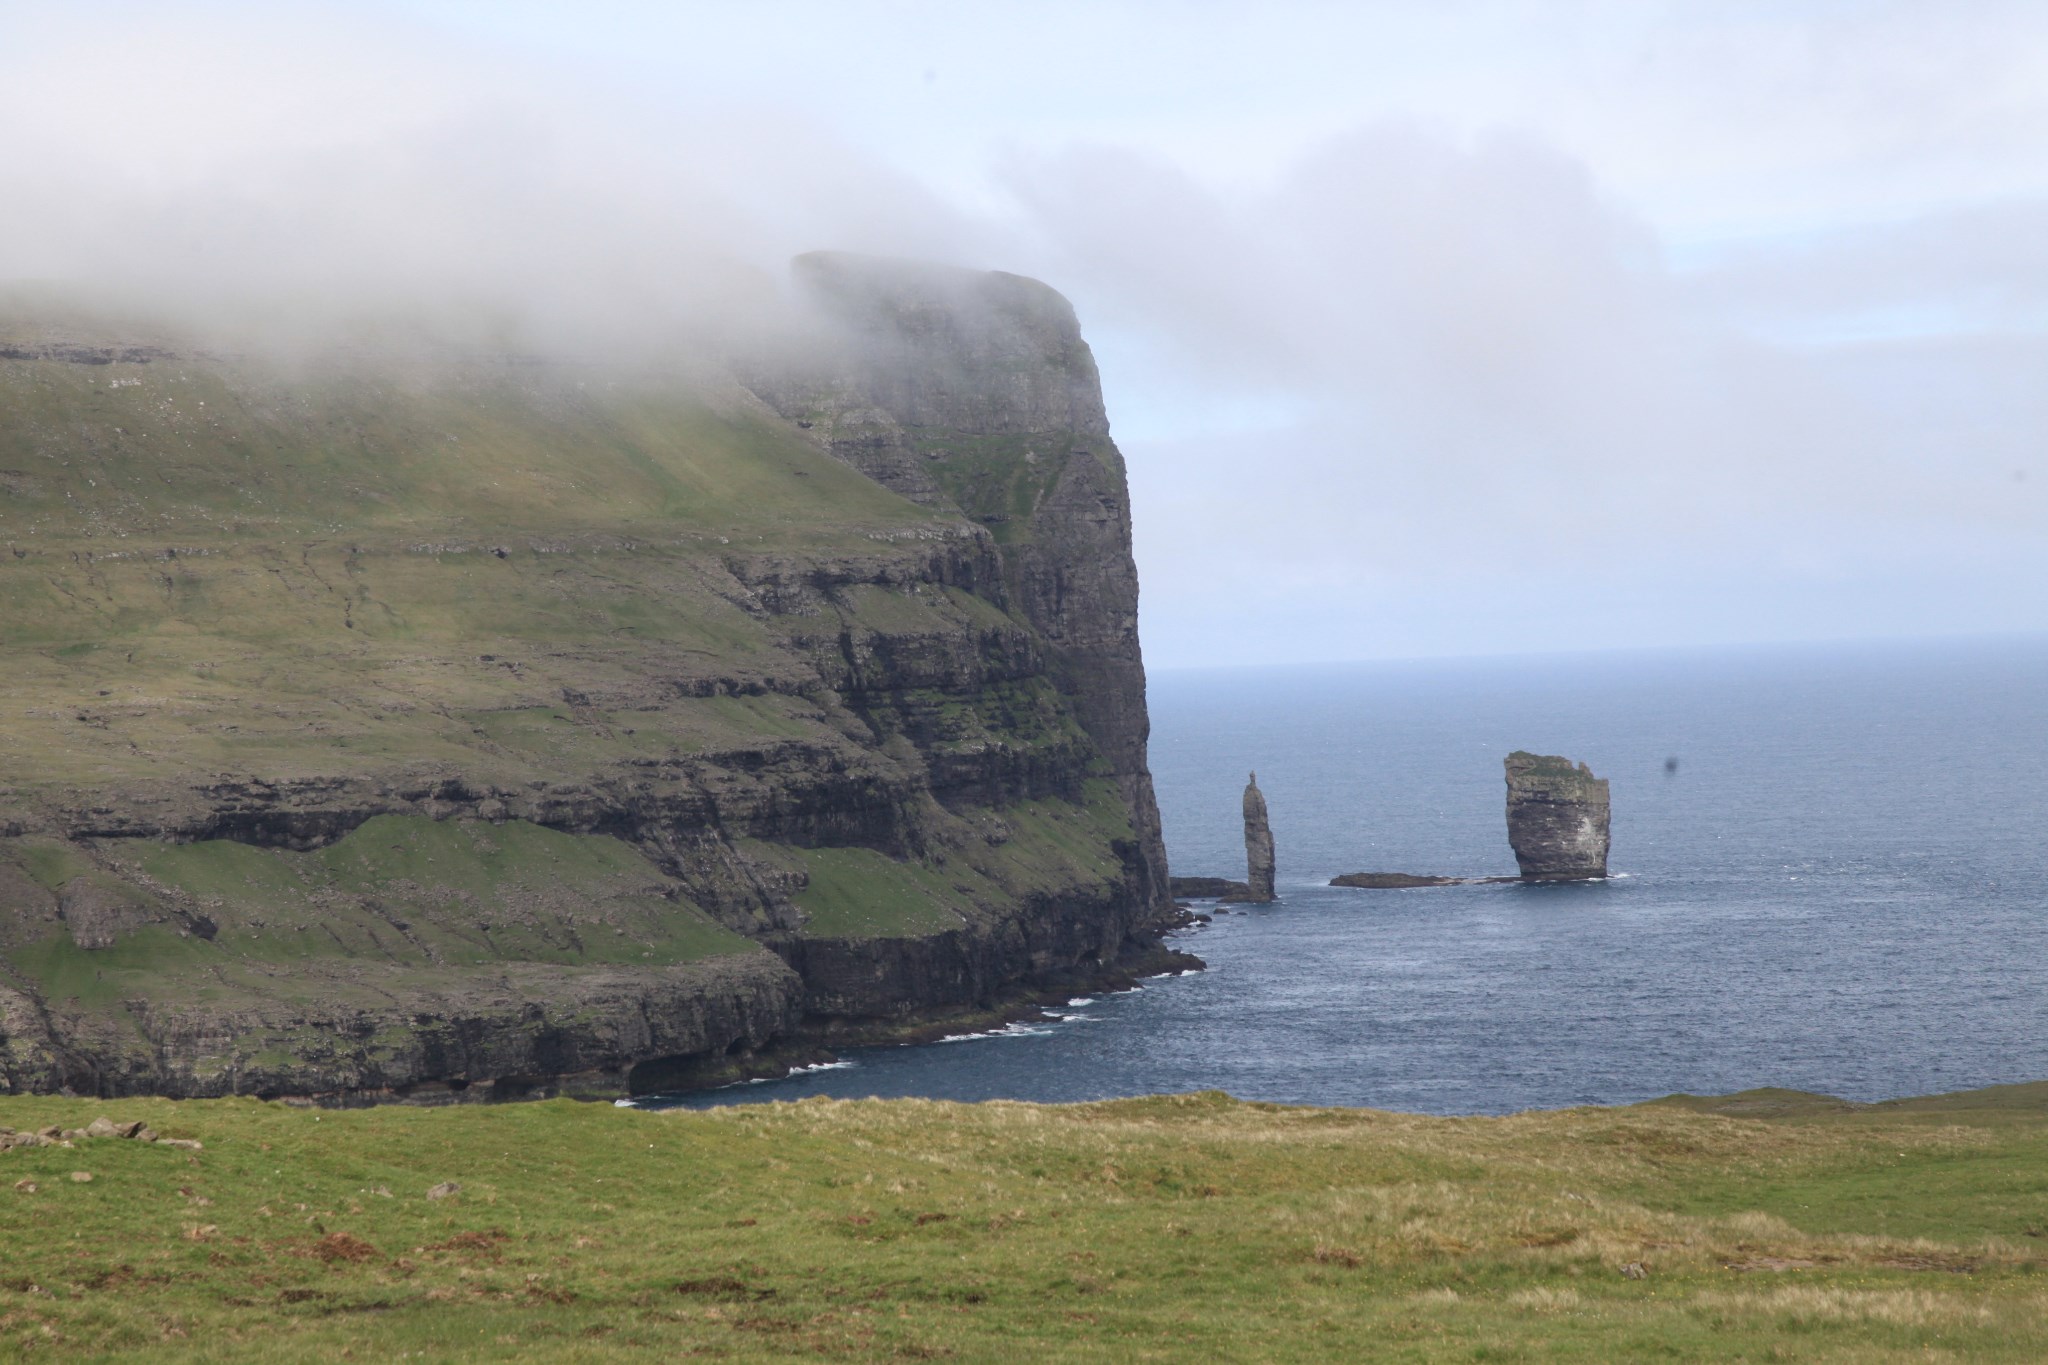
(1839, 889)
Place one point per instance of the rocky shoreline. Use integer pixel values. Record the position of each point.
(820, 1043)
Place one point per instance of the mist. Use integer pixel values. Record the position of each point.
(279, 174)
(1437, 330)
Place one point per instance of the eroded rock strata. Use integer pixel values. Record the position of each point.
(1558, 817)
(472, 728)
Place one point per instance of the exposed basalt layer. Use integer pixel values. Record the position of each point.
(1557, 818)
(474, 729)
(1258, 843)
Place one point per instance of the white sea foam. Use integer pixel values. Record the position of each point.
(1082, 1000)
(800, 1071)
(1019, 1029)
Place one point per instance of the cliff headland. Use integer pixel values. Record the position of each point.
(492, 726)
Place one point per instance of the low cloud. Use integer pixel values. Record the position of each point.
(1409, 389)
(287, 169)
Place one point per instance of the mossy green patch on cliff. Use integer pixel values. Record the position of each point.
(203, 448)
(859, 893)
(412, 889)
(1079, 838)
(1049, 847)
(223, 567)
(150, 956)
(50, 862)
(333, 662)
(1189, 1227)
(398, 892)
(1000, 480)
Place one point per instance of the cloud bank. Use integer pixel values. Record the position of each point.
(295, 167)
(1551, 327)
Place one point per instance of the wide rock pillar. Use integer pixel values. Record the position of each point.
(1557, 818)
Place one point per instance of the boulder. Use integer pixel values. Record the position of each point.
(1557, 818)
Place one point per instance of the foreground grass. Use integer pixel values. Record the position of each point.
(1766, 1227)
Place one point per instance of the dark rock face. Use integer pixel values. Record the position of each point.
(522, 1032)
(1557, 818)
(1258, 843)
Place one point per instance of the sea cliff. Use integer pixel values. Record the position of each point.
(485, 725)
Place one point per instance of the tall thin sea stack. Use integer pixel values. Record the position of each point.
(1557, 818)
(1258, 843)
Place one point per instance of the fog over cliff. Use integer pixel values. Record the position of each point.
(1434, 329)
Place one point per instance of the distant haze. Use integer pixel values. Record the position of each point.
(1430, 328)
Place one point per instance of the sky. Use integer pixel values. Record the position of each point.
(1433, 328)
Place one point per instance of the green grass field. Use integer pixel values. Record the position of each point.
(1770, 1226)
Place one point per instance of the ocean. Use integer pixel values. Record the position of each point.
(1837, 887)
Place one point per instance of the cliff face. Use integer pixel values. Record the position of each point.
(485, 727)
(974, 392)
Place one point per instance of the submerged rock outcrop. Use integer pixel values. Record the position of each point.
(564, 726)
(1258, 843)
(1211, 889)
(1393, 881)
(1557, 818)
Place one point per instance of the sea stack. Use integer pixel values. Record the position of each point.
(1557, 818)
(1258, 843)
